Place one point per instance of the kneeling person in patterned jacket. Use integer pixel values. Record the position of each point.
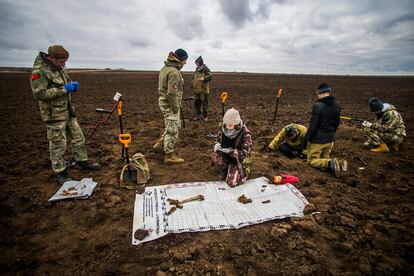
(289, 141)
(388, 128)
(232, 151)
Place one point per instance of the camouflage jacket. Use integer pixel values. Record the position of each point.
(391, 122)
(243, 147)
(171, 86)
(282, 137)
(48, 88)
(202, 86)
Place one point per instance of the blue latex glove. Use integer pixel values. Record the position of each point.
(69, 87)
(75, 85)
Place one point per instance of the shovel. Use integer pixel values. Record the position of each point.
(279, 94)
(127, 173)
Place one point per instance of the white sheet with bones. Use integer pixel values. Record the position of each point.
(219, 210)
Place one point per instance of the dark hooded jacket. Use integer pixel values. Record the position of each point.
(324, 121)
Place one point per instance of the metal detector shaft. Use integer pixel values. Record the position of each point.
(209, 133)
(279, 94)
(104, 120)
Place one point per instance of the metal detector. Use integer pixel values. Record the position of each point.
(209, 133)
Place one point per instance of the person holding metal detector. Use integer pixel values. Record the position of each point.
(387, 129)
(53, 88)
(319, 139)
(232, 150)
(289, 141)
(170, 93)
(201, 80)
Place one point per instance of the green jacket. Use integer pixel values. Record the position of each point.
(297, 144)
(391, 122)
(202, 86)
(170, 86)
(47, 82)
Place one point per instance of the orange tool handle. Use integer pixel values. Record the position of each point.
(223, 97)
(279, 93)
(120, 108)
(125, 139)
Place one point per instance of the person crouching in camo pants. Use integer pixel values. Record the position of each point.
(232, 150)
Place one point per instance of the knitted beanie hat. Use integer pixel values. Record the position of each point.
(199, 61)
(323, 87)
(232, 117)
(58, 52)
(375, 105)
(181, 54)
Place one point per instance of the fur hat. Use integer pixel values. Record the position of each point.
(58, 52)
(375, 105)
(181, 54)
(232, 117)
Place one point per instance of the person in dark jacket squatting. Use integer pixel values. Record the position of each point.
(319, 139)
(232, 151)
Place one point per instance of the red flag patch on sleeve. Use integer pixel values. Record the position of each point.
(35, 76)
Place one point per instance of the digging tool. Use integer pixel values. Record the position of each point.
(223, 98)
(120, 125)
(279, 94)
(127, 174)
(209, 133)
(356, 119)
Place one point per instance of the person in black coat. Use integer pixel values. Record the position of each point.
(319, 139)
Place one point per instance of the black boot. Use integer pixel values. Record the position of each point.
(64, 176)
(85, 165)
(223, 173)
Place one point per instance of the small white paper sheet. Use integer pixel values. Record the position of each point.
(219, 210)
(75, 189)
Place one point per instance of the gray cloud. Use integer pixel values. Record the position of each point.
(319, 36)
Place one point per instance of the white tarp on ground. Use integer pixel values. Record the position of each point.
(75, 189)
(219, 210)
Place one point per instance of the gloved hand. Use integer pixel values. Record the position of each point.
(266, 148)
(226, 150)
(366, 124)
(69, 87)
(75, 85)
(217, 146)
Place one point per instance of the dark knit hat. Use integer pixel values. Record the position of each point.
(58, 52)
(323, 87)
(181, 54)
(199, 61)
(375, 105)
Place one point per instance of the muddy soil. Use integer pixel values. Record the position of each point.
(365, 224)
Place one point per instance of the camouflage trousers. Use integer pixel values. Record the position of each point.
(170, 135)
(318, 155)
(376, 137)
(235, 176)
(201, 100)
(57, 134)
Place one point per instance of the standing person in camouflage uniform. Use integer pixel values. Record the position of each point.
(232, 151)
(388, 128)
(319, 139)
(201, 79)
(170, 93)
(53, 89)
(289, 141)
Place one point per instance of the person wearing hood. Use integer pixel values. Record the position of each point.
(319, 139)
(53, 89)
(388, 129)
(170, 93)
(201, 86)
(232, 150)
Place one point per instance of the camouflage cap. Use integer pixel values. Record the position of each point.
(290, 131)
(58, 52)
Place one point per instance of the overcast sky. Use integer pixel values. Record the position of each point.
(274, 36)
